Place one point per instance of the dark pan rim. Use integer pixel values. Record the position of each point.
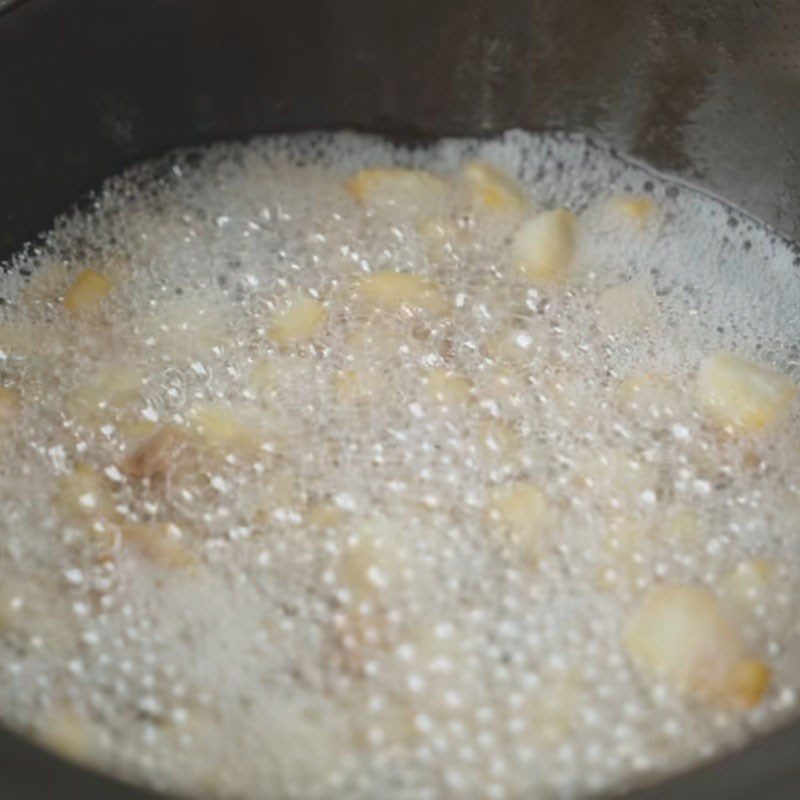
(764, 769)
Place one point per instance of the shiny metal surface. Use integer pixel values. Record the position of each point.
(707, 91)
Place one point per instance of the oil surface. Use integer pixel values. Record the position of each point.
(386, 548)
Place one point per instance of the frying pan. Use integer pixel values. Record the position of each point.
(704, 91)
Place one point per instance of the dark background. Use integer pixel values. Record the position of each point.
(87, 86)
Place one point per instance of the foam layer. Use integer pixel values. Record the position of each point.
(396, 557)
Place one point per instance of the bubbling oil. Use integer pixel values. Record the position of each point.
(312, 488)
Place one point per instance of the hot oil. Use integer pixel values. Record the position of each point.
(269, 529)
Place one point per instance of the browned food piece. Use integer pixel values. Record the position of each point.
(154, 457)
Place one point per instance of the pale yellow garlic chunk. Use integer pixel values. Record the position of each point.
(396, 290)
(50, 282)
(325, 514)
(109, 389)
(69, 734)
(86, 293)
(490, 189)
(625, 309)
(359, 385)
(680, 635)
(749, 581)
(223, 426)
(397, 189)
(748, 682)
(551, 713)
(299, 322)
(10, 406)
(633, 208)
(519, 509)
(447, 388)
(543, 247)
(742, 395)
